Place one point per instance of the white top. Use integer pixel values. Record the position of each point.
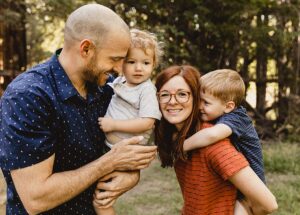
(130, 103)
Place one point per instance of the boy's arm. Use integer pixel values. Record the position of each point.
(136, 125)
(207, 136)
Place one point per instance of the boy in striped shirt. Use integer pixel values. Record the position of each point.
(222, 92)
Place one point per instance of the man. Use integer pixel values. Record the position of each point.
(50, 143)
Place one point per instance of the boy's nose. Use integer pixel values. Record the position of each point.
(201, 106)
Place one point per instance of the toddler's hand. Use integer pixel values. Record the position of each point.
(106, 124)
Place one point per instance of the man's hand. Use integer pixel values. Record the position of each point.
(128, 155)
(112, 186)
(106, 124)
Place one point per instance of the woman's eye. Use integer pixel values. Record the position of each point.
(164, 95)
(182, 94)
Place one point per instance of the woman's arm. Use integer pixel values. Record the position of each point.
(259, 196)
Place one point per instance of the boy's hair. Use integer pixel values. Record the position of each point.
(146, 40)
(224, 84)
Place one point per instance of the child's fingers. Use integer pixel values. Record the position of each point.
(103, 204)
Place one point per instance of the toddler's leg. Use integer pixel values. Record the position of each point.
(242, 208)
(105, 211)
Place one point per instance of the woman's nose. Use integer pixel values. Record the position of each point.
(172, 100)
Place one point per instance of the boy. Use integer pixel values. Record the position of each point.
(134, 107)
(222, 92)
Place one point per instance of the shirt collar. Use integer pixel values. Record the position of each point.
(64, 85)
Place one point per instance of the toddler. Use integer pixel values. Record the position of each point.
(134, 107)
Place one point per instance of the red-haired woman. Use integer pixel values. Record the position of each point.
(209, 177)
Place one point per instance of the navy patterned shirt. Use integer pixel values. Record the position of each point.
(245, 138)
(41, 113)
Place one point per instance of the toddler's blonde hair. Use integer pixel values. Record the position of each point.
(147, 40)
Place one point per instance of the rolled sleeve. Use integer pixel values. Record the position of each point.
(25, 138)
(225, 159)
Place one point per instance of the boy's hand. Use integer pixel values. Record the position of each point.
(106, 124)
(112, 186)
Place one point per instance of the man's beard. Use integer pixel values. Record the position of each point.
(94, 75)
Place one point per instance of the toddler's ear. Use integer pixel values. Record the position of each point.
(229, 106)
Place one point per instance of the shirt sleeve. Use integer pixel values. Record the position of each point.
(148, 103)
(236, 122)
(224, 159)
(26, 136)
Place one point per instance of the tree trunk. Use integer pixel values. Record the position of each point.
(14, 43)
(295, 88)
(261, 69)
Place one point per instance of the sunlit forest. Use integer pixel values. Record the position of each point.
(258, 38)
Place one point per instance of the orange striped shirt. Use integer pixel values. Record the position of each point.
(203, 179)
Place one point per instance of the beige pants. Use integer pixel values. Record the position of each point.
(2, 193)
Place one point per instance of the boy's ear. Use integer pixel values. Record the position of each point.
(229, 106)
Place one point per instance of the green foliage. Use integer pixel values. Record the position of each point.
(241, 35)
(207, 34)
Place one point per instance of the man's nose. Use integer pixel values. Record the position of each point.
(118, 66)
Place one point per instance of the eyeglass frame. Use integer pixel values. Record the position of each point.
(173, 94)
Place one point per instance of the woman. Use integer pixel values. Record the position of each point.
(209, 177)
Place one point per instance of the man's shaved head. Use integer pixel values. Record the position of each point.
(94, 22)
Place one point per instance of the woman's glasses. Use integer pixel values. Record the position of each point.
(181, 96)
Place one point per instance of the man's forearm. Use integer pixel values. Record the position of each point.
(47, 193)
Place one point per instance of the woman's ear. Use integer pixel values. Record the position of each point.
(229, 106)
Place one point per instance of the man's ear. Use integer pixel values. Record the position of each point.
(229, 106)
(86, 47)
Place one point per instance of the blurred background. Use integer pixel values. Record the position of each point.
(258, 38)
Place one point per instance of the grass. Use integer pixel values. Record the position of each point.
(158, 192)
(282, 164)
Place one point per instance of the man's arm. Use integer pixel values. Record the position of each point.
(207, 136)
(137, 125)
(262, 201)
(42, 189)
